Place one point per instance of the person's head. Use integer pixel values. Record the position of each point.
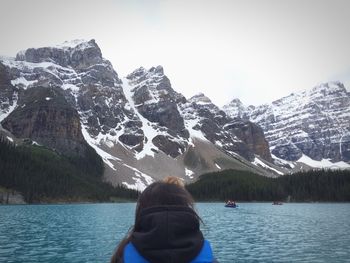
(169, 192)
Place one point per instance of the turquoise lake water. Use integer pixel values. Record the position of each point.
(254, 232)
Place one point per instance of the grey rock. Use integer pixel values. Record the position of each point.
(232, 136)
(53, 123)
(156, 101)
(167, 145)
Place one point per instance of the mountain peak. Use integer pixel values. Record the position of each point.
(142, 72)
(77, 43)
(200, 98)
(66, 45)
(77, 53)
(330, 87)
(157, 70)
(236, 101)
(235, 108)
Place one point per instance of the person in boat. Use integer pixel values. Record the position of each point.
(231, 203)
(166, 228)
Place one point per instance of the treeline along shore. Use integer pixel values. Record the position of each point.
(41, 175)
(311, 186)
(44, 176)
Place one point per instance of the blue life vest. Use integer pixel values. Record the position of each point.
(131, 255)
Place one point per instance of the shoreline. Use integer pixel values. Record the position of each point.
(201, 202)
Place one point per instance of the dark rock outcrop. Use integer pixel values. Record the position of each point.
(44, 116)
(78, 54)
(252, 135)
(167, 145)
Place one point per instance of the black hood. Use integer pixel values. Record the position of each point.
(168, 234)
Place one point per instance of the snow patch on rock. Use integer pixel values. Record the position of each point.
(324, 163)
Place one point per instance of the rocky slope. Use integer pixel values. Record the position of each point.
(309, 124)
(67, 95)
(232, 135)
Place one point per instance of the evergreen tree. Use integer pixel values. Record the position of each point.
(42, 175)
(314, 185)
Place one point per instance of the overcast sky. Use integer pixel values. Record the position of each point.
(256, 50)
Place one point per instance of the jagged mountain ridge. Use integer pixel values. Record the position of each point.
(312, 123)
(140, 126)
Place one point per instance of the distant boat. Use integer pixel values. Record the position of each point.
(231, 205)
(277, 203)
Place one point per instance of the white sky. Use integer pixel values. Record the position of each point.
(256, 50)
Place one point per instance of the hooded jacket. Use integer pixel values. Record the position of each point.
(167, 234)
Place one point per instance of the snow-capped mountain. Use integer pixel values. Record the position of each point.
(311, 126)
(68, 96)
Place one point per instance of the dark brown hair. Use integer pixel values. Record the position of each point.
(156, 194)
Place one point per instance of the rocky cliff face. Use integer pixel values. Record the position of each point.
(206, 118)
(56, 89)
(8, 94)
(78, 54)
(67, 95)
(43, 115)
(252, 135)
(313, 122)
(156, 102)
